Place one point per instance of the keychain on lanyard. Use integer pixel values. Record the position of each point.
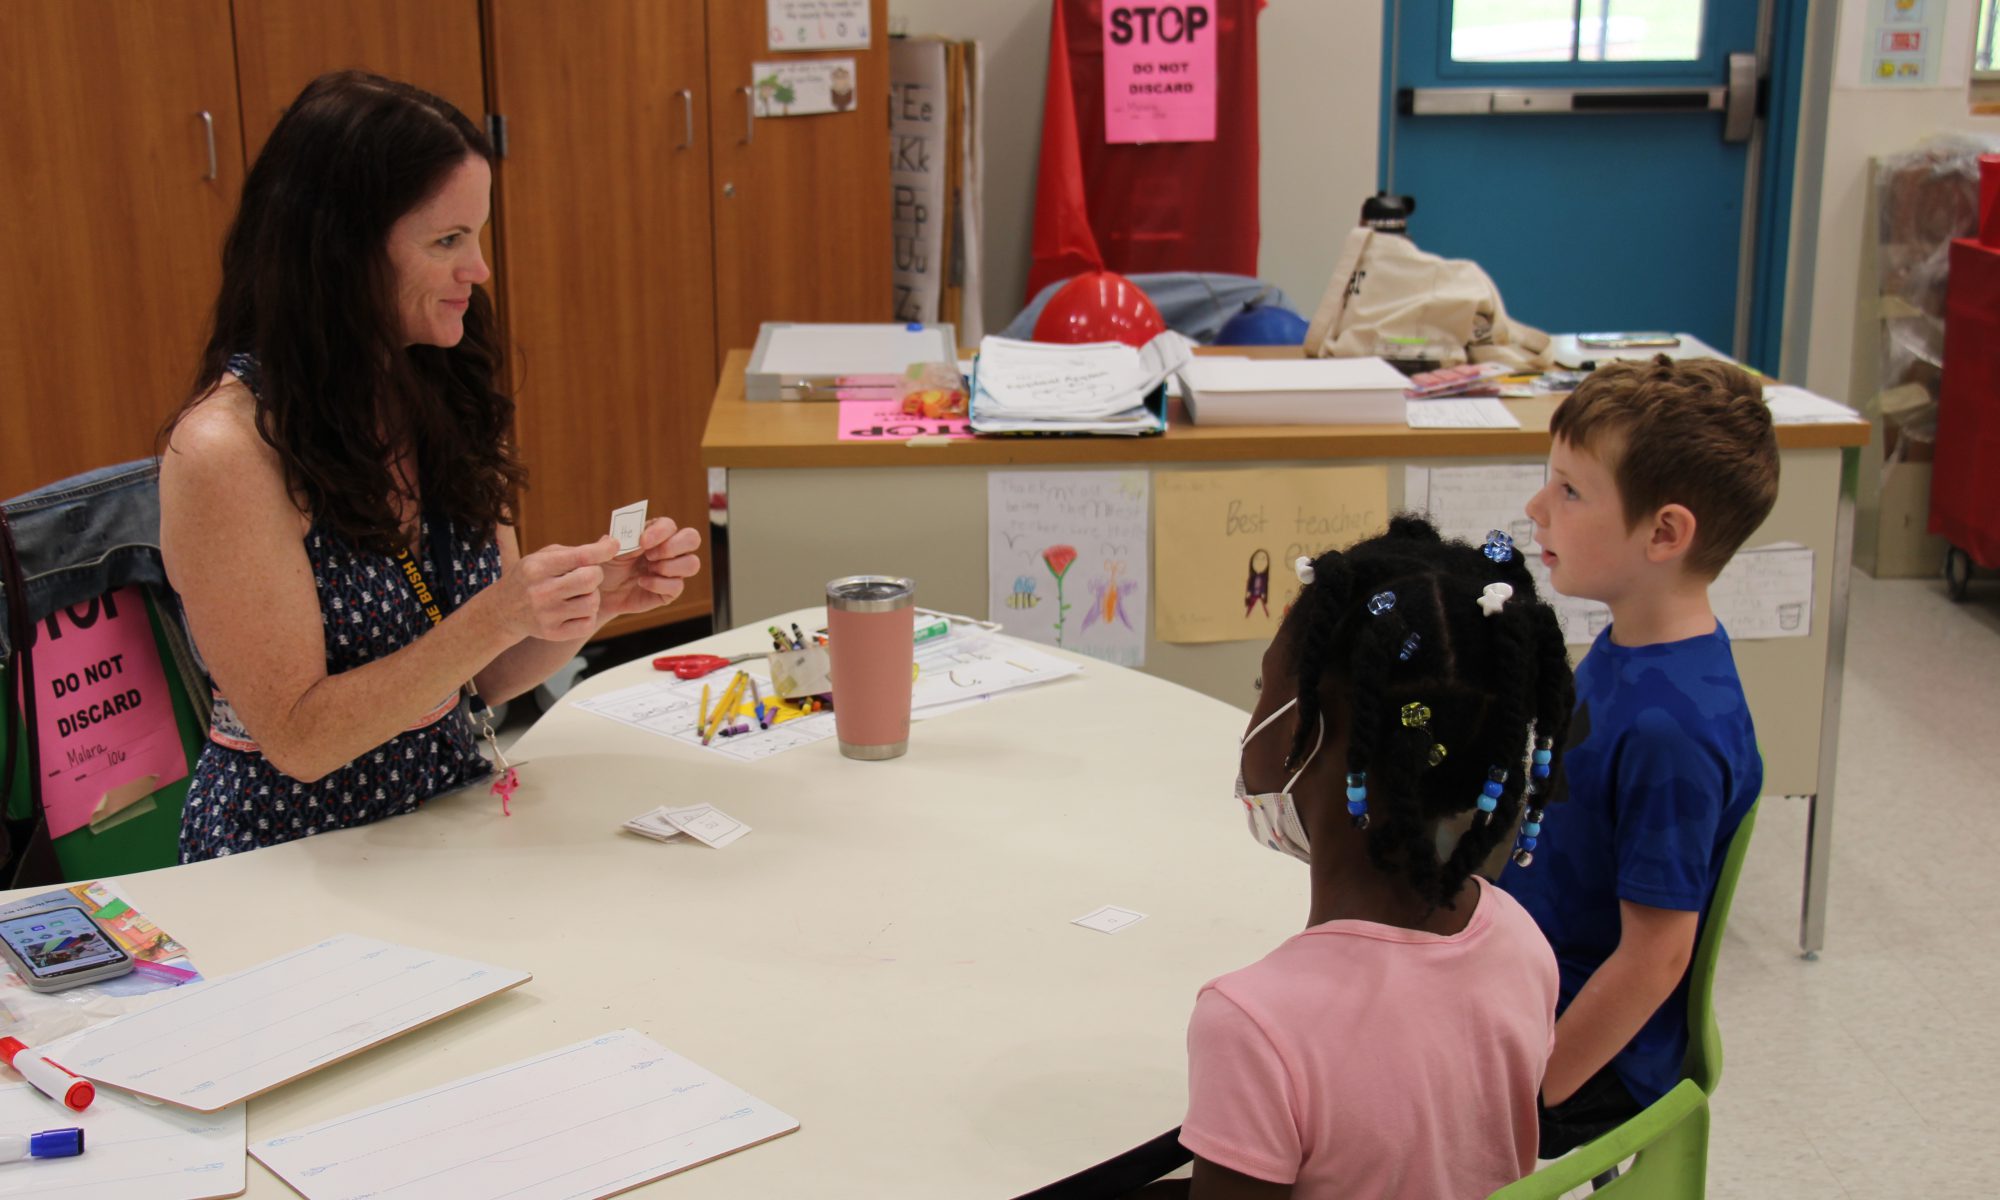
(435, 606)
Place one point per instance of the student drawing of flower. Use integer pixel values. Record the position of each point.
(1059, 560)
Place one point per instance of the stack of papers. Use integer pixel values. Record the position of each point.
(1294, 391)
(1797, 406)
(703, 822)
(1098, 387)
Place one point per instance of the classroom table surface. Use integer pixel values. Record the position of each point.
(763, 434)
(888, 956)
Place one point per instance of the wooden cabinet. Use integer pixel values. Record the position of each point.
(643, 226)
(120, 165)
(607, 270)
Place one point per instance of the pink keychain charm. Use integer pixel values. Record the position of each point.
(503, 787)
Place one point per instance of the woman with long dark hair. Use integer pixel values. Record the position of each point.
(335, 492)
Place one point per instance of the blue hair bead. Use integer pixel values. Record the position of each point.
(1544, 757)
(1488, 803)
(1357, 795)
(1532, 829)
(1492, 790)
(1381, 602)
(1356, 807)
(1499, 547)
(1527, 843)
(1409, 649)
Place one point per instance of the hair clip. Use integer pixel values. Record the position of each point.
(1499, 547)
(1495, 597)
(1357, 798)
(1380, 603)
(1489, 796)
(1416, 715)
(1304, 566)
(1409, 649)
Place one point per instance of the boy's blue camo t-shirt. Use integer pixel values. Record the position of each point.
(1660, 769)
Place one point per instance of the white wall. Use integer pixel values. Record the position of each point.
(1318, 81)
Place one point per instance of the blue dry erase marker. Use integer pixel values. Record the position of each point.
(50, 1143)
(916, 327)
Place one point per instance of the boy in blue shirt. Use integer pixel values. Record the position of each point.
(1659, 472)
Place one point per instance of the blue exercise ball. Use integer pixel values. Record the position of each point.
(1263, 325)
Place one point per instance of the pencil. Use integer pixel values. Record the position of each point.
(722, 707)
(704, 707)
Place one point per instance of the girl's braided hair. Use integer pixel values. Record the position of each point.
(1490, 683)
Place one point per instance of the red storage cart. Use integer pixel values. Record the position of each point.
(1965, 486)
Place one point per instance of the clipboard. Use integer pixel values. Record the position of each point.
(805, 361)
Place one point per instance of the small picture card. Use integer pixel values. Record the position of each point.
(653, 825)
(705, 824)
(1109, 919)
(803, 88)
(627, 524)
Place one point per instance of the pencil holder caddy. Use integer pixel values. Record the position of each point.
(796, 674)
(871, 627)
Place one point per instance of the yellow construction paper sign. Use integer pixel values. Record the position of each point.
(1225, 542)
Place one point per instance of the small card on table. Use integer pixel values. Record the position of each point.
(703, 822)
(1109, 919)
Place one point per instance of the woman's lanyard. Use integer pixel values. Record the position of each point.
(437, 605)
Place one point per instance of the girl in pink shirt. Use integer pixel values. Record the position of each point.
(1410, 709)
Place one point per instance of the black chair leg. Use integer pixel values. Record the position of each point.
(1128, 1172)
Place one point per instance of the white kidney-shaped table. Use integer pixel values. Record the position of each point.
(888, 956)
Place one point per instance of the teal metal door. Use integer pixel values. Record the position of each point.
(1613, 164)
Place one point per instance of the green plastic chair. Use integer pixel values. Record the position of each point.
(1670, 1139)
(1703, 1063)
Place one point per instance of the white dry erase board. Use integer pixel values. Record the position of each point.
(130, 1149)
(795, 361)
(585, 1121)
(211, 1045)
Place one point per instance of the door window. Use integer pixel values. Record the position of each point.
(1561, 31)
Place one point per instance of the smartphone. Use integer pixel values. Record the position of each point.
(57, 948)
(1626, 341)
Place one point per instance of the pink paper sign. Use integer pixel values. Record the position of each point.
(885, 421)
(106, 718)
(1159, 71)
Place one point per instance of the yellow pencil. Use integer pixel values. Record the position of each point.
(704, 707)
(724, 707)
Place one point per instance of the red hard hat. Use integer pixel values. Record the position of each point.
(1099, 306)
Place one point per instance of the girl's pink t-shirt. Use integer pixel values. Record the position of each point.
(1359, 1059)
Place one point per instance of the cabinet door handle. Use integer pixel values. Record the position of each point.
(687, 119)
(749, 115)
(208, 131)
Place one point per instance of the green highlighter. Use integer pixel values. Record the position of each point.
(936, 629)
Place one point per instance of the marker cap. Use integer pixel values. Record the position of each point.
(55, 1143)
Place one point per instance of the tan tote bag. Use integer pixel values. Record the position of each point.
(1391, 299)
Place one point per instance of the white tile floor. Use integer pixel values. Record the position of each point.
(1876, 1070)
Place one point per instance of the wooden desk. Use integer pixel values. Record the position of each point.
(887, 956)
(805, 508)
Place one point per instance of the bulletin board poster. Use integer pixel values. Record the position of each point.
(1227, 542)
(818, 24)
(106, 732)
(1905, 43)
(1066, 560)
(1160, 79)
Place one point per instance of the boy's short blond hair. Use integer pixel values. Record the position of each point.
(1695, 432)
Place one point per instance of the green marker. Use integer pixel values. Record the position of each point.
(935, 629)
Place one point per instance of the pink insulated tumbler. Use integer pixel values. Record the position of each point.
(871, 645)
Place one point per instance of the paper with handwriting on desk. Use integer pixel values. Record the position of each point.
(209, 1045)
(1470, 412)
(130, 1148)
(592, 1119)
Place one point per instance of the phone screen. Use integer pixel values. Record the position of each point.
(58, 941)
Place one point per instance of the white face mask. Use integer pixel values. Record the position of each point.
(1274, 820)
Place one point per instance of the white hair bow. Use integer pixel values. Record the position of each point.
(1494, 597)
(1304, 566)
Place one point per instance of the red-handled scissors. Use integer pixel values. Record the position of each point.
(694, 666)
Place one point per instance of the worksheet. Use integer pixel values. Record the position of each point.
(130, 1149)
(210, 1045)
(588, 1120)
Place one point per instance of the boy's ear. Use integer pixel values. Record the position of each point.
(1673, 534)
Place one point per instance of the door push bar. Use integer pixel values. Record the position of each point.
(1740, 102)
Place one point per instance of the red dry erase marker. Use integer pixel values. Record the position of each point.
(52, 1079)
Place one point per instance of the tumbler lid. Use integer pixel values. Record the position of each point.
(870, 593)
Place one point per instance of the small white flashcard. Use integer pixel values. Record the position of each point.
(627, 524)
(706, 824)
(1109, 919)
(653, 825)
(802, 89)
